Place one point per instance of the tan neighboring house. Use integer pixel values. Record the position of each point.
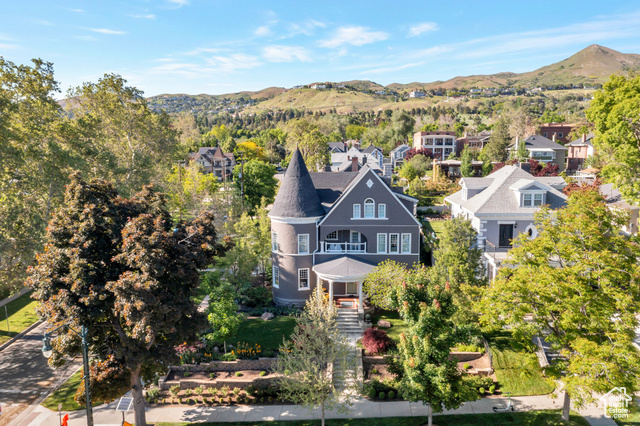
(441, 144)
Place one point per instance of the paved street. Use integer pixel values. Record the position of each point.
(24, 373)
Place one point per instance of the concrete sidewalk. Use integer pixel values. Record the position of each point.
(106, 414)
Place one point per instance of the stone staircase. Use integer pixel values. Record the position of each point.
(345, 376)
(349, 324)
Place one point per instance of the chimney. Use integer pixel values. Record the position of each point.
(354, 164)
(553, 138)
(584, 138)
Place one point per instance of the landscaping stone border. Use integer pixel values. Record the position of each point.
(240, 364)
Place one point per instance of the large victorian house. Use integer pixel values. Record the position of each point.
(332, 229)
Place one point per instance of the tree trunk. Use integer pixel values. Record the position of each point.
(322, 405)
(566, 406)
(430, 413)
(138, 397)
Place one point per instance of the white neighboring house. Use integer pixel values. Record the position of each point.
(501, 206)
(417, 94)
(441, 144)
(614, 200)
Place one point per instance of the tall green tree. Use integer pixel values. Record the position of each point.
(253, 235)
(257, 182)
(355, 131)
(311, 142)
(458, 263)
(499, 141)
(304, 361)
(466, 168)
(38, 150)
(415, 168)
(126, 141)
(380, 282)
(428, 373)
(190, 190)
(578, 285)
(615, 113)
(223, 315)
(122, 268)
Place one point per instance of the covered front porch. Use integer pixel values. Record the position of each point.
(343, 278)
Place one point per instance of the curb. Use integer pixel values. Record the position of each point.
(19, 335)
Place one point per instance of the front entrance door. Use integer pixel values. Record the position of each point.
(506, 235)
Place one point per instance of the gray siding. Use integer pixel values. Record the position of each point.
(492, 233)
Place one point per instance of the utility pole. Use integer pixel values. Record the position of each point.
(180, 163)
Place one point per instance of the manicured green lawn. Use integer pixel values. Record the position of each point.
(65, 395)
(267, 334)
(201, 293)
(516, 368)
(633, 419)
(22, 313)
(436, 226)
(528, 418)
(398, 326)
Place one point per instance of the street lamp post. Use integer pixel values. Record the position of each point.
(47, 350)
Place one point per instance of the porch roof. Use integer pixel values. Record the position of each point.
(343, 269)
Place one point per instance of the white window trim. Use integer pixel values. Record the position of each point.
(372, 205)
(275, 272)
(308, 287)
(533, 195)
(351, 239)
(357, 207)
(402, 244)
(307, 238)
(382, 206)
(274, 241)
(332, 238)
(383, 245)
(397, 243)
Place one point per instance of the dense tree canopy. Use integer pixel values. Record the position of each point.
(615, 113)
(578, 285)
(123, 269)
(257, 182)
(311, 142)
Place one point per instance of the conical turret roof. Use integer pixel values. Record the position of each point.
(297, 196)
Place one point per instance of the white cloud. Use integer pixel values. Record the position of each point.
(278, 53)
(432, 51)
(391, 69)
(179, 3)
(8, 46)
(200, 50)
(262, 31)
(424, 27)
(106, 31)
(307, 27)
(77, 10)
(233, 62)
(144, 16)
(357, 36)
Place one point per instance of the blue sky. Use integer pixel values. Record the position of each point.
(215, 46)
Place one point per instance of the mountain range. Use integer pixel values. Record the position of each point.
(589, 67)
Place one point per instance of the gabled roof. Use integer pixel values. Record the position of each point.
(540, 142)
(371, 148)
(403, 147)
(330, 186)
(337, 146)
(588, 141)
(498, 198)
(297, 197)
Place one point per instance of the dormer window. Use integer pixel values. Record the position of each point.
(532, 199)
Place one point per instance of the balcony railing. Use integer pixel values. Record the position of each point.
(329, 247)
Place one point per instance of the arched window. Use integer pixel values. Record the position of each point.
(369, 208)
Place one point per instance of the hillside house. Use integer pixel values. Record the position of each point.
(558, 130)
(501, 206)
(579, 151)
(213, 160)
(441, 144)
(332, 229)
(543, 150)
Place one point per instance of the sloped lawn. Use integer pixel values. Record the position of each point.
(22, 313)
(268, 334)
